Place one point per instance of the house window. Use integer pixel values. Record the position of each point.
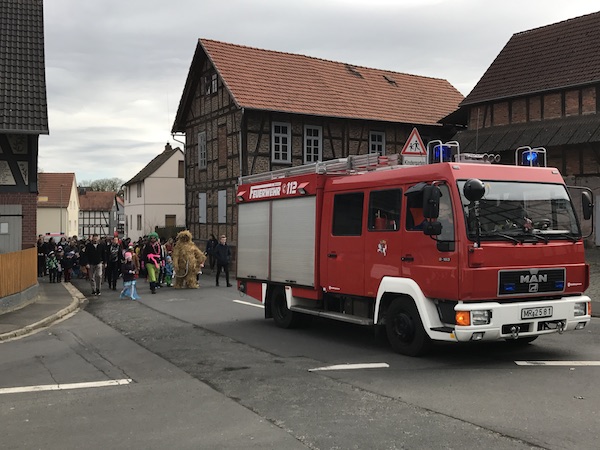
(202, 150)
(281, 142)
(202, 207)
(313, 144)
(210, 84)
(222, 144)
(139, 222)
(139, 189)
(170, 220)
(222, 206)
(180, 169)
(377, 142)
(213, 83)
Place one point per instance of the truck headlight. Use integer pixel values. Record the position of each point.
(580, 309)
(481, 317)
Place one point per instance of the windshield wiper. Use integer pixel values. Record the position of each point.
(538, 237)
(570, 236)
(502, 235)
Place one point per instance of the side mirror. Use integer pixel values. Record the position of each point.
(587, 205)
(432, 228)
(431, 202)
(474, 190)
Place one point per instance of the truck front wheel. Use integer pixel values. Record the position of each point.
(282, 315)
(404, 328)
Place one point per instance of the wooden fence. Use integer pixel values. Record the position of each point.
(18, 271)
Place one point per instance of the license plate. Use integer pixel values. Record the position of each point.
(535, 313)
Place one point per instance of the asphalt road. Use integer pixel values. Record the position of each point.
(438, 399)
(208, 371)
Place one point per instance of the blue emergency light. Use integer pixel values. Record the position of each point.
(442, 153)
(531, 158)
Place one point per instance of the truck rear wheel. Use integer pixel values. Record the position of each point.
(404, 328)
(282, 315)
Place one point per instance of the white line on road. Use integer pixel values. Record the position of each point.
(352, 367)
(249, 304)
(557, 363)
(61, 387)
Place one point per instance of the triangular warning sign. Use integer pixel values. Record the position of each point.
(414, 145)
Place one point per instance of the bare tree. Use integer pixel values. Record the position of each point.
(104, 184)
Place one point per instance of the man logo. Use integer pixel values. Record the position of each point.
(533, 278)
(533, 287)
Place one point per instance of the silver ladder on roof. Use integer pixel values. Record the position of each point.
(349, 165)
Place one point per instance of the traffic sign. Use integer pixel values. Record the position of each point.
(414, 145)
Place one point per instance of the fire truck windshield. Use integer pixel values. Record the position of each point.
(520, 211)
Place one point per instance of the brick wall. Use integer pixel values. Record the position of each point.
(572, 103)
(500, 114)
(29, 207)
(552, 106)
(588, 100)
(519, 111)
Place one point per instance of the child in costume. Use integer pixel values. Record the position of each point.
(129, 284)
(169, 271)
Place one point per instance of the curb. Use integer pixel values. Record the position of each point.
(78, 299)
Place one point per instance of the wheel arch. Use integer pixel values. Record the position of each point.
(407, 289)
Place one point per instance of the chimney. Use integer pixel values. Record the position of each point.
(168, 147)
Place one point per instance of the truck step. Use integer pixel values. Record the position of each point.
(333, 315)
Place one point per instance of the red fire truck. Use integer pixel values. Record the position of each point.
(452, 251)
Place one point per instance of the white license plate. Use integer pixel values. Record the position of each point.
(535, 313)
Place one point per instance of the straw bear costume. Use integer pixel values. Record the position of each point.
(188, 260)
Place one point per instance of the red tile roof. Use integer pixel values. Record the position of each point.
(552, 57)
(285, 82)
(97, 201)
(56, 187)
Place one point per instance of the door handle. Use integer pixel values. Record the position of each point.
(407, 258)
(332, 255)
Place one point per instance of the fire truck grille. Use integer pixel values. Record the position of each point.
(530, 281)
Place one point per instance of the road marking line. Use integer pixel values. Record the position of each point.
(61, 387)
(351, 367)
(249, 304)
(557, 363)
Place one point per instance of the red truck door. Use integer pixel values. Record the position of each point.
(383, 243)
(433, 264)
(342, 248)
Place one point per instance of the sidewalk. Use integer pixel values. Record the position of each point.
(57, 300)
(54, 302)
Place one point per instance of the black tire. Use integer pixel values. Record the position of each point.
(405, 330)
(283, 317)
(520, 342)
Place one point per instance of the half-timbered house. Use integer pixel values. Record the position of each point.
(246, 110)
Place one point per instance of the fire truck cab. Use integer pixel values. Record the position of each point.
(452, 251)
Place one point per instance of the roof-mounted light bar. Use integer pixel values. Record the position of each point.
(532, 157)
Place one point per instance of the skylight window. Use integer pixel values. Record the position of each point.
(353, 70)
(390, 80)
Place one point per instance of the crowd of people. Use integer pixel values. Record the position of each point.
(108, 259)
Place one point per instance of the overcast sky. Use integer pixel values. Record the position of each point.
(115, 69)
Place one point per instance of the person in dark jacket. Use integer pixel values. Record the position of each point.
(114, 261)
(95, 262)
(223, 258)
(211, 244)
